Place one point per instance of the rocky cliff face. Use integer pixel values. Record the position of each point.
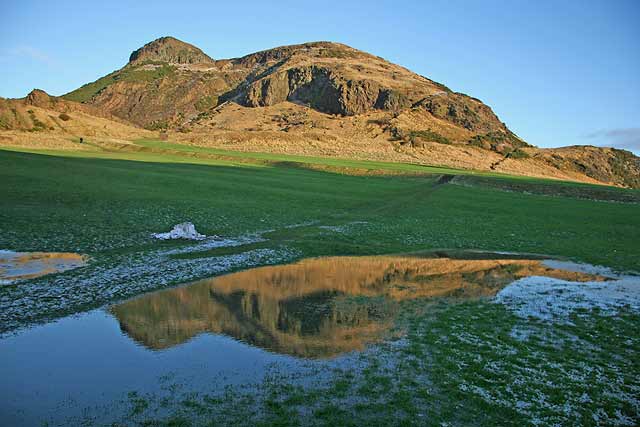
(461, 110)
(322, 89)
(335, 79)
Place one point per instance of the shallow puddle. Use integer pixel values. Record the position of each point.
(232, 328)
(15, 266)
(315, 308)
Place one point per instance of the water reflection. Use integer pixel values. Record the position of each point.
(15, 266)
(315, 308)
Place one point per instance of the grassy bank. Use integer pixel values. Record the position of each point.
(93, 204)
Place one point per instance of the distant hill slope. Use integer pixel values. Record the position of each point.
(43, 121)
(320, 98)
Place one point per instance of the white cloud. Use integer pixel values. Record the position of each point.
(28, 52)
(627, 138)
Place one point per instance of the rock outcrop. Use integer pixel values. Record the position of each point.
(463, 111)
(322, 89)
(171, 50)
(610, 165)
(39, 98)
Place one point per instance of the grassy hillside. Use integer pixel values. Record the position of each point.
(89, 90)
(102, 204)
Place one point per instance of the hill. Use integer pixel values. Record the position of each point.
(169, 83)
(43, 121)
(321, 99)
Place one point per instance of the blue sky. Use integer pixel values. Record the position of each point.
(557, 72)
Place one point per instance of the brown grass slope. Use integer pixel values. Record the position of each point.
(43, 121)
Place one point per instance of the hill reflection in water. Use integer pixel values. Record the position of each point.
(315, 308)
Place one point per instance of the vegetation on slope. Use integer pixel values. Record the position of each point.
(134, 75)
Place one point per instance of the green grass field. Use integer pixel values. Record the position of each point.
(107, 203)
(97, 201)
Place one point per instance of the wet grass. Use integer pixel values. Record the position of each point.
(108, 208)
(104, 206)
(554, 188)
(459, 363)
(222, 251)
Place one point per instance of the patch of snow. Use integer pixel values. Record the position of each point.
(551, 299)
(580, 268)
(341, 228)
(336, 228)
(301, 224)
(520, 334)
(217, 242)
(186, 230)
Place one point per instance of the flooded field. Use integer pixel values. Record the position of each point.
(234, 329)
(315, 308)
(15, 266)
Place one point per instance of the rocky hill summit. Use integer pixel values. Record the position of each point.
(170, 50)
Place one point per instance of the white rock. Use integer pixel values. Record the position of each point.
(186, 230)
